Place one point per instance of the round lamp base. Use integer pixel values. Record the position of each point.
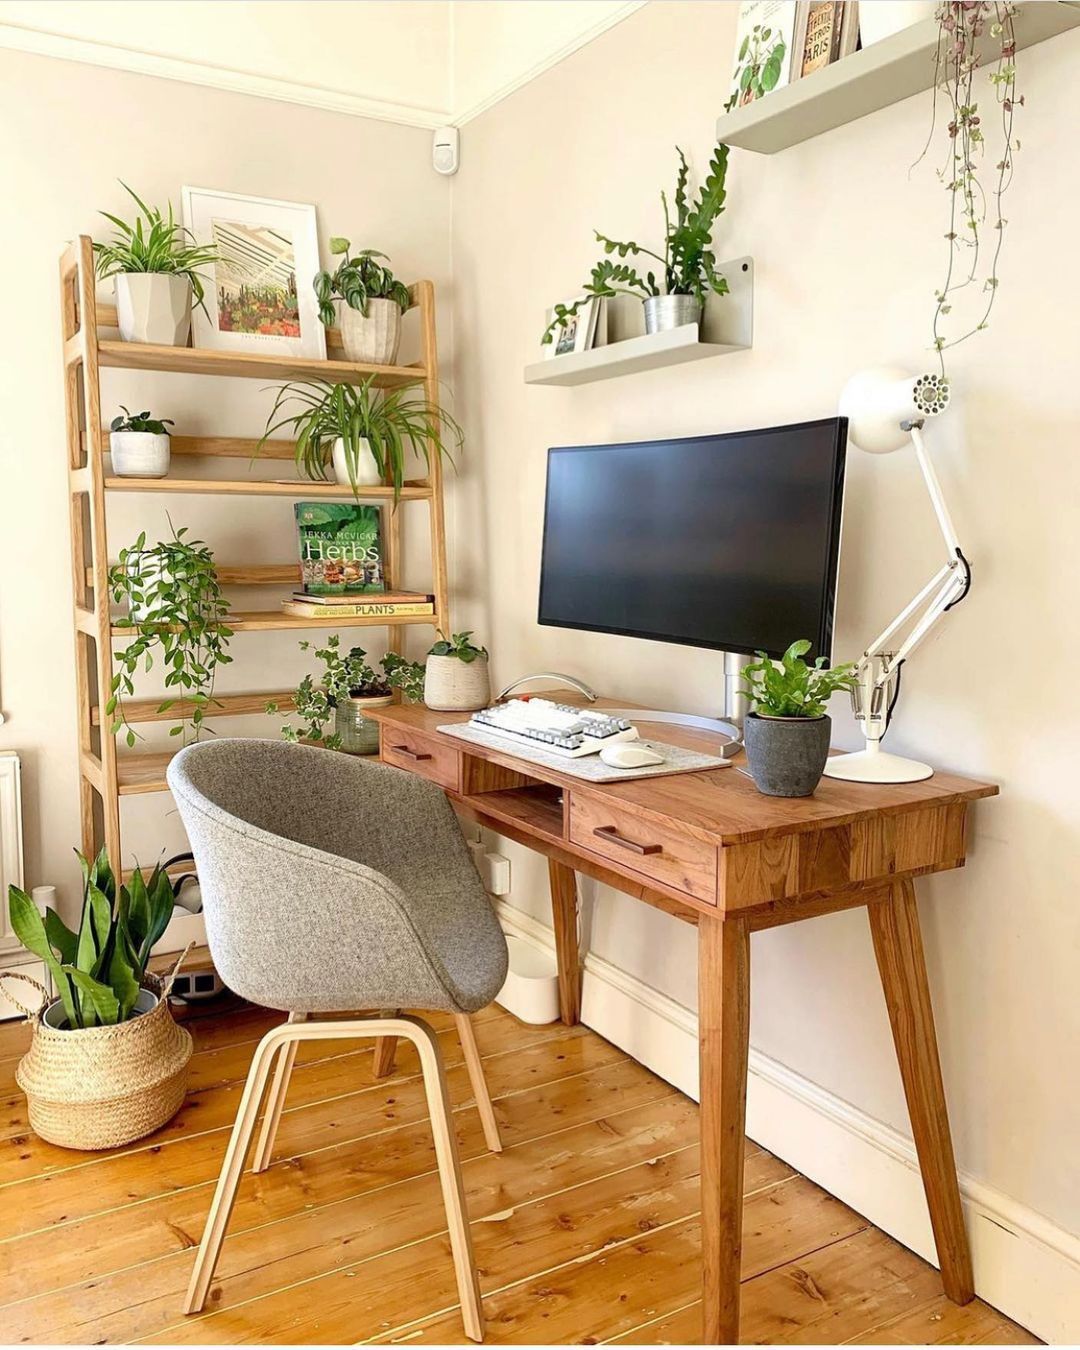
(875, 766)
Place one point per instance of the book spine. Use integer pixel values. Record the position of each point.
(357, 611)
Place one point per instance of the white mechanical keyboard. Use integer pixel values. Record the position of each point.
(559, 727)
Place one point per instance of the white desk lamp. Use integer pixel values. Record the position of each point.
(886, 409)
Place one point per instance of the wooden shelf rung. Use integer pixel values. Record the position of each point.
(253, 487)
(249, 365)
(228, 447)
(139, 773)
(267, 620)
(225, 705)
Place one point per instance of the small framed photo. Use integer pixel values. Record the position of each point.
(578, 334)
(260, 296)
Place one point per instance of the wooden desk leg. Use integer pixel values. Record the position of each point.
(894, 926)
(724, 1036)
(564, 913)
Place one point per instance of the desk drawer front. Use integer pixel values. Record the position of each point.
(647, 846)
(421, 755)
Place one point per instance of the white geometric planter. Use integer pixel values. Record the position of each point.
(154, 307)
(371, 339)
(139, 454)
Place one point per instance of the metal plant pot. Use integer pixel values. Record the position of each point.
(670, 311)
(786, 754)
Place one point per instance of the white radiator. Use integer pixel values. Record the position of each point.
(11, 874)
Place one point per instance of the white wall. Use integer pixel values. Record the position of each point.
(849, 251)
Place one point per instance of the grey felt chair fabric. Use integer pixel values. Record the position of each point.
(333, 884)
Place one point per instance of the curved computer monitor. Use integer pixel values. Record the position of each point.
(728, 541)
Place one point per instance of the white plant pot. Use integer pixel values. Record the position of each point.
(883, 18)
(151, 572)
(367, 471)
(154, 307)
(139, 454)
(372, 338)
(451, 685)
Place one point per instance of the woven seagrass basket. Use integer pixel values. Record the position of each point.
(100, 1087)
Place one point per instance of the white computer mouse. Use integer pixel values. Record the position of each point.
(629, 755)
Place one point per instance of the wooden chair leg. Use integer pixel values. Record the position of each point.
(275, 1102)
(446, 1153)
(232, 1169)
(383, 1063)
(475, 1066)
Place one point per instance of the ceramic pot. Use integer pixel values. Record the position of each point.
(149, 568)
(367, 471)
(452, 685)
(670, 311)
(54, 1016)
(885, 17)
(786, 754)
(154, 307)
(139, 454)
(359, 733)
(371, 338)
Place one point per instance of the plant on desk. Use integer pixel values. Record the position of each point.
(363, 432)
(370, 302)
(456, 676)
(787, 731)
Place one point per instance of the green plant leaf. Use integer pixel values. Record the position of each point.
(62, 940)
(102, 1003)
(29, 927)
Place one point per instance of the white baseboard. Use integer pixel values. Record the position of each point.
(1025, 1265)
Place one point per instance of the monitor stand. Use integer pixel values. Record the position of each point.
(730, 725)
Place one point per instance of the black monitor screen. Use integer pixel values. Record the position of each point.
(728, 541)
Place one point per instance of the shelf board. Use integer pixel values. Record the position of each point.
(266, 620)
(137, 710)
(229, 447)
(652, 351)
(252, 487)
(248, 365)
(142, 773)
(878, 75)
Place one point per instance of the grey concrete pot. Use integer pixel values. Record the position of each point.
(787, 754)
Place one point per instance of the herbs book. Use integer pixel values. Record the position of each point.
(340, 548)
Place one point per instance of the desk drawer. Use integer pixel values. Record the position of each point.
(421, 755)
(653, 848)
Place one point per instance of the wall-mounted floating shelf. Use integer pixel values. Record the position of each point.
(884, 73)
(726, 326)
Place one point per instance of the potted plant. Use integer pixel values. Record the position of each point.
(349, 689)
(154, 263)
(787, 730)
(370, 302)
(688, 263)
(456, 675)
(107, 1063)
(140, 445)
(176, 608)
(363, 432)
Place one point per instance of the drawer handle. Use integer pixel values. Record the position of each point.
(612, 835)
(412, 754)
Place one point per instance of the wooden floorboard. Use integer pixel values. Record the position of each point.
(585, 1227)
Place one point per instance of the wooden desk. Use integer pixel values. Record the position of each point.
(710, 849)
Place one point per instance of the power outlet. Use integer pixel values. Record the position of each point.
(496, 873)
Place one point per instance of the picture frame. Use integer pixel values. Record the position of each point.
(764, 41)
(580, 333)
(260, 298)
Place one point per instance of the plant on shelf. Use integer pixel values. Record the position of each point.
(760, 64)
(142, 422)
(369, 302)
(688, 262)
(155, 264)
(365, 433)
(971, 272)
(787, 730)
(456, 674)
(175, 608)
(139, 445)
(98, 971)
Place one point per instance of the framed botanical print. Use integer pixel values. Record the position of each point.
(260, 297)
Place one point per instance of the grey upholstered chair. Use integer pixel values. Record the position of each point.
(330, 885)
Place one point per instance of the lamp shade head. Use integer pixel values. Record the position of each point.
(879, 401)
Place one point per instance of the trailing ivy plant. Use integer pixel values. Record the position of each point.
(358, 279)
(97, 971)
(154, 243)
(177, 611)
(688, 264)
(459, 645)
(792, 688)
(973, 260)
(157, 426)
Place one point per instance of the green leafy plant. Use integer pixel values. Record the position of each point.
(157, 426)
(155, 243)
(391, 421)
(459, 645)
(348, 676)
(688, 262)
(358, 279)
(98, 970)
(176, 608)
(791, 688)
(761, 61)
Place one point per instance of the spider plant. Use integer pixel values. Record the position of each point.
(155, 243)
(390, 421)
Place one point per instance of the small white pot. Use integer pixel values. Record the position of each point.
(154, 307)
(885, 17)
(139, 454)
(367, 471)
(372, 338)
(451, 685)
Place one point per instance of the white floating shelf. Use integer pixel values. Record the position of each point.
(727, 326)
(883, 73)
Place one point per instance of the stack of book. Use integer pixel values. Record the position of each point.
(391, 605)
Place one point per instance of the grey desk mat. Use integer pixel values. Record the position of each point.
(591, 768)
